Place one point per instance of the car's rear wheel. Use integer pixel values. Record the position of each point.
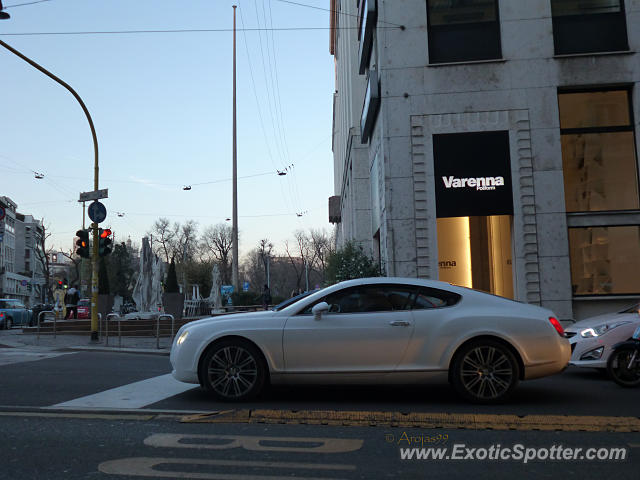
(233, 371)
(484, 371)
(8, 323)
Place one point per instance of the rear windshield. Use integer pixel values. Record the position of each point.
(84, 303)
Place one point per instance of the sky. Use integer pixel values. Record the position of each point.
(162, 108)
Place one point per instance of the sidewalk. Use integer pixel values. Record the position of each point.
(16, 339)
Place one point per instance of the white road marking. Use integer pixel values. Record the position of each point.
(144, 467)
(271, 444)
(134, 395)
(9, 356)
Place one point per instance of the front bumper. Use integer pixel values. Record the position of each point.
(580, 346)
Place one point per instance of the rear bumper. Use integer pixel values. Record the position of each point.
(552, 367)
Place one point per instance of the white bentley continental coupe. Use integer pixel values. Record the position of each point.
(375, 331)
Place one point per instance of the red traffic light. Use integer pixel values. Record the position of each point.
(105, 233)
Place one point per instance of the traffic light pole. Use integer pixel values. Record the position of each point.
(94, 226)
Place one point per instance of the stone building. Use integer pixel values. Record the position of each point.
(491, 144)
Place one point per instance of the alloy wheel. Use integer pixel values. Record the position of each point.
(486, 372)
(232, 372)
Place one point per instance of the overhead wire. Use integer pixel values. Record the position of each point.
(260, 116)
(291, 180)
(182, 30)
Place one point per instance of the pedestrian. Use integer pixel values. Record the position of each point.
(266, 296)
(71, 299)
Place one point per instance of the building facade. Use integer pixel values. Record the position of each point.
(492, 144)
(21, 256)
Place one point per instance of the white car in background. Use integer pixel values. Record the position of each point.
(375, 331)
(592, 339)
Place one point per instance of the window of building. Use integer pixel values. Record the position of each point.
(598, 151)
(462, 31)
(605, 260)
(588, 26)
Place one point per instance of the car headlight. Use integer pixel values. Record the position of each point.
(182, 337)
(600, 329)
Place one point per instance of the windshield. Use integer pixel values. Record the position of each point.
(632, 309)
(292, 300)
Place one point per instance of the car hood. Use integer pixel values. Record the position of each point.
(599, 320)
(235, 317)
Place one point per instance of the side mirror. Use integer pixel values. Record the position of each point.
(319, 309)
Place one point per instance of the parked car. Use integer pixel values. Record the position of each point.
(592, 339)
(13, 313)
(84, 308)
(377, 331)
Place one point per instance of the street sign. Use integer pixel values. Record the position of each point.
(23, 283)
(245, 287)
(2, 213)
(226, 289)
(95, 195)
(97, 212)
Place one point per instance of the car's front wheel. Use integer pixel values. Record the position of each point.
(484, 371)
(233, 371)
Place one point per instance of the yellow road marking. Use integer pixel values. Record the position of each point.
(567, 423)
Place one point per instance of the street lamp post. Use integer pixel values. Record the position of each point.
(94, 226)
(234, 242)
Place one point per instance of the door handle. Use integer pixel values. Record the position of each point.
(399, 323)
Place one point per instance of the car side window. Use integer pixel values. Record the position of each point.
(3, 304)
(433, 298)
(364, 299)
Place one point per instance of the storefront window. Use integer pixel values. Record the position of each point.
(598, 151)
(605, 260)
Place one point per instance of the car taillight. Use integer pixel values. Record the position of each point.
(556, 324)
(1, 314)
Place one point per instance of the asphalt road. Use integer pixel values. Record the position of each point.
(161, 447)
(113, 415)
(52, 380)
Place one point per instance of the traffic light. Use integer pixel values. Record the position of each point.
(104, 245)
(83, 243)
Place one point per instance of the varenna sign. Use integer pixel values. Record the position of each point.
(472, 174)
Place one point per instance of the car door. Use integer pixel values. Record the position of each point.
(367, 329)
(19, 313)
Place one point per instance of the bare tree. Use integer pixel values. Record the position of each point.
(185, 240)
(164, 238)
(76, 261)
(216, 241)
(301, 255)
(43, 256)
(322, 246)
(265, 249)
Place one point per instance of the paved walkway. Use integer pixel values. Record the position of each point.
(47, 342)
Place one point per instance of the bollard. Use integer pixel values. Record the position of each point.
(106, 341)
(158, 328)
(40, 315)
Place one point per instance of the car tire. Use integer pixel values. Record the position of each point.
(620, 374)
(233, 371)
(484, 371)
(8, 323)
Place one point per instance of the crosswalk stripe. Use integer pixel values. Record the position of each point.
(11, 356)
(133, 395)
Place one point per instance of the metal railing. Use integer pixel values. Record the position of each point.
(158, 318)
